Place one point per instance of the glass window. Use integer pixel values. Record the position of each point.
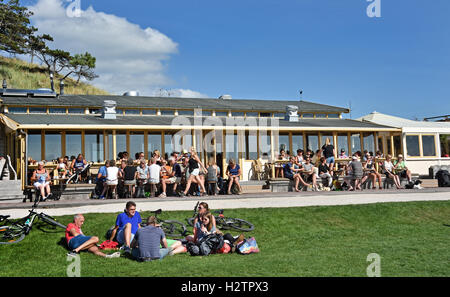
(237, 114)
(132, 112)
(136, 143)
(57, 110)
(154, 143)
(17, 109)
(397, 145)
(264, 144)
(73, 143)
(283, 143)
(355, 143)
(279, 115)
(412, 145)
(149, 112)
(93, 146)
(221, 113)
(34, 145)
(297, 143)
(369, 143)
(94, 111)
(109, 143)
(312, 142)
(37, 110)
(333, 116)
(165, 112)
(380, 145)
(231, 147)
(168, 145)
(444, 139)
(308, 115)
(121, 143)
(185, 112)
(119, 111)
(428, 145)
(265, 114)
(251, 145)
(52, 145)
(76, 110)
(251, 114)
(206, 113)
(321, 115)
(342, 144)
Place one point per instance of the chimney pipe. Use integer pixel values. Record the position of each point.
(4, 84)
(61, 87)
(51, 81)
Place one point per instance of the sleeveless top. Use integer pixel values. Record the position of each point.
(79, 164)
(212, 174)
(41, 177)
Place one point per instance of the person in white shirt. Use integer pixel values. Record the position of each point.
(155, 171)
(112, 178)
(389, 171)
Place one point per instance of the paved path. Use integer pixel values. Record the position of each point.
(262, 200)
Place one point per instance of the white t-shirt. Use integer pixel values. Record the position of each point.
(388, 166)
(155, 170)
(112, 173)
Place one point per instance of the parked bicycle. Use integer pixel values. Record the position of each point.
(15, 231)
(223, 222)
(171, 228)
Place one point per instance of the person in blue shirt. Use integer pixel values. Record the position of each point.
(293, 173)
(101, 178)
(127, 224)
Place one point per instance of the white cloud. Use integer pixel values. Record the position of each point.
(128, 56)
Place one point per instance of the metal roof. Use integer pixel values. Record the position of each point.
(95, 121)
(96, 101)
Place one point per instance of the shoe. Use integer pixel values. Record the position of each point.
(101, 197)
(115, 255)
(182, 194)
(239, 239)
(162, 195)
(127, 250)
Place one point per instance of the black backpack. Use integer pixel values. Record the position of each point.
(208, 244)
(443, 177)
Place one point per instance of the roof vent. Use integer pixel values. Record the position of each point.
(291, 113)
(225, 97)
(109, 109)
(131, 93)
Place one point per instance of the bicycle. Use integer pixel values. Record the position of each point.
(225, 223)
(15, 231)
(171, 228)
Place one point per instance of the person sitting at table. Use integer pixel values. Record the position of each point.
(233, 172)
(101, 178)
(388, 168)
(308, 173)
(324, 171)
(78, 164)
(299, 157)
(279, 166)
(62, 168)
(129, 176)
(293, 174)
(41, 181)
(401, 169)
(371, 172)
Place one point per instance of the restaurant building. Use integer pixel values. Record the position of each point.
(42, 125)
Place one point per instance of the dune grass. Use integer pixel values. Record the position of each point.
(20, 74)
(410, 238)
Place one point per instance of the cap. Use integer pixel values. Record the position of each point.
(400, 156)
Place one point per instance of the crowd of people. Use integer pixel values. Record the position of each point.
(305, 169)
(143, 243)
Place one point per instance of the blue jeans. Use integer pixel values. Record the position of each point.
(77, 241)
(162, 253)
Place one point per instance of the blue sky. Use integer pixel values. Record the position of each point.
(398, 64)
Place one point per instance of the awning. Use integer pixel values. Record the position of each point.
(9, 124)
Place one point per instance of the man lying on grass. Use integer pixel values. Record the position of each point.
(77, 241)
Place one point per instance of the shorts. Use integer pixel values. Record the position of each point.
(195, 172)
(121, 237)
(130, 182)
(330, 160)
(171, 180)
(38, 184)
(154, 181)
(112, 182)
(77, 241)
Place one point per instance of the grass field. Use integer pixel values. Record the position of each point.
(412, 239)
(23, 75)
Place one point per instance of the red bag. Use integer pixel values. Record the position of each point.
(109, 245)
(225, 249)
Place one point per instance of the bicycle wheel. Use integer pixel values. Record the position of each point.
(173, 228)
(239, 224)
(49, 220)
(11, 234)
(191, 221)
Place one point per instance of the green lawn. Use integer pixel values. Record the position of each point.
(412, 239)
